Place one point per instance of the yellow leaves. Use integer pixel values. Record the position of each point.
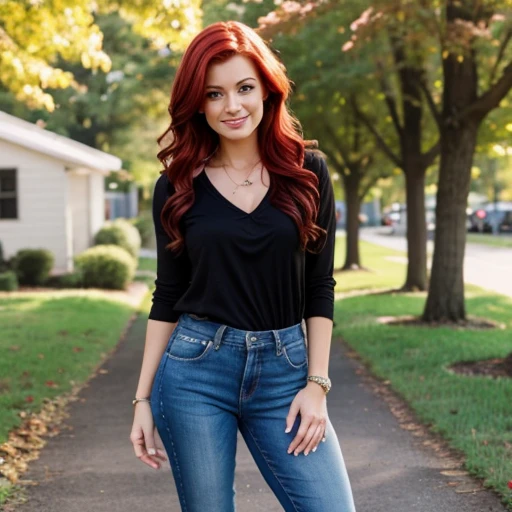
(475, 172)
(445, 54)
(460, 58)
(34, 32)
(508, 127)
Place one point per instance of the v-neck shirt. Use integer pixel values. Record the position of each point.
(210, 186)
(245, 270)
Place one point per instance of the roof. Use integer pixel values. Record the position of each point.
(31, 136)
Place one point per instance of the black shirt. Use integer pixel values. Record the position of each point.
(245, 270)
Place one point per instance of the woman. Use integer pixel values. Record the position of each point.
(245, 225)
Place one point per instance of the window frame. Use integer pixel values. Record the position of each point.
(10, 195)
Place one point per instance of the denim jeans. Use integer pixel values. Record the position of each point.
(214, 379)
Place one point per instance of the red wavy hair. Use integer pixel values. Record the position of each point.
(294, 190)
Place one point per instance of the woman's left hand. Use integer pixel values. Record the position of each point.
(311, 403)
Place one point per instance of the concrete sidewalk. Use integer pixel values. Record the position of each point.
(91, 467)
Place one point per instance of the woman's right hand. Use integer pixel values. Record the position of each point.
(143, 436)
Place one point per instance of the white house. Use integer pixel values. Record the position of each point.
(51, 191)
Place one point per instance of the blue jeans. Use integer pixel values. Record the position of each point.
(214, 379)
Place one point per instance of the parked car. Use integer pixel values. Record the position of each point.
(491, 216)
(398, 218)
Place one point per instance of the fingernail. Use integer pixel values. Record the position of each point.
(314, 449)
(287, 430)
(151, 451)
(306, 453)
(296, 453)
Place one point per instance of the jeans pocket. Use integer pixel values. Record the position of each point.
(296, 353)
(189, 345)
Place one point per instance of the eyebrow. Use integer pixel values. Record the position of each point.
(238, 83)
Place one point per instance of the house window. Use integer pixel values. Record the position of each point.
(8, 194)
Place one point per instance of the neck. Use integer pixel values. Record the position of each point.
(239, 154)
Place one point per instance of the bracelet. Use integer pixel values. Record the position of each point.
(325, 382)
(135, 400)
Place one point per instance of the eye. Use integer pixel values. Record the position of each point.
(249, 88)
(209, 94)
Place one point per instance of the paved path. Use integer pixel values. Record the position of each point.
(90, 467)
(485, 266)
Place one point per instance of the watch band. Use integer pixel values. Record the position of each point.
(325, 382)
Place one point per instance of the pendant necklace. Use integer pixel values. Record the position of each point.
(246, 182)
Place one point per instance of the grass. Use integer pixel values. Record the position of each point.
(147, 264)
(50, 343)
(382, 271)
(471, 413)
(486, 239)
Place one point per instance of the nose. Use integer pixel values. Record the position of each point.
(232, 104)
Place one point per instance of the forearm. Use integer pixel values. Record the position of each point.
(319, 334)
(157, 337)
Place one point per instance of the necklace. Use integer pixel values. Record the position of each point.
(246, 182)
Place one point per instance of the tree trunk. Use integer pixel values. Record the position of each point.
(416, 279)
(445, 300)
(353, 205)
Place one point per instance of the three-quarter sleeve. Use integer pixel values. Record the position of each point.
(173, 271)
(320, 283)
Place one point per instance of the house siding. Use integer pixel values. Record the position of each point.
(41, 196)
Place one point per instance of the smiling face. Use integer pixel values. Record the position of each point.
(234, 93)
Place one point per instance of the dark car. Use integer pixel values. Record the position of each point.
(506, 223)
(490, 216)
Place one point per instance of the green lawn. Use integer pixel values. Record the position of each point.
(486, 239)
(382, 271)
(50, 344)
(472, 413)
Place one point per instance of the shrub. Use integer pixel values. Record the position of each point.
(146, 229)
(106, 266)
(32, 266)
(122, 233)
(69, 280)
(8, 281)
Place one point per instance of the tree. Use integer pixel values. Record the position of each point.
(467, 25)
(467, 33)
(28, 55)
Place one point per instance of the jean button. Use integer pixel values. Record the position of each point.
(253, 338)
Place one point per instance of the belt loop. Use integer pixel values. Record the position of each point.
(278, 342)
(218, 336)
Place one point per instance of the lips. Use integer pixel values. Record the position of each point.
(235, 123)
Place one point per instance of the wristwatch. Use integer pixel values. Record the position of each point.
(325, 382)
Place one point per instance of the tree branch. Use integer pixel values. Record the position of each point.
(491, 98)
(429, 157)
(390, 100)
(344, 154)
(367, 187)
(380, 141)
(430, 102)
(501, 52)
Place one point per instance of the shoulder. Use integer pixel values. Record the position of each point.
(314, 160)
(163, 189)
